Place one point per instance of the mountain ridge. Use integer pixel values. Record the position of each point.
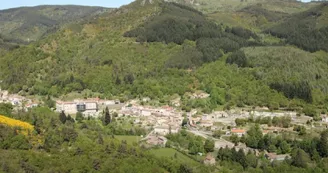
(26, 24)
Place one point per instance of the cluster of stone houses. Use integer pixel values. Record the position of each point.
(138, 110)
(16, 100)
(164, 120)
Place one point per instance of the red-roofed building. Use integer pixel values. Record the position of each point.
(238, 132)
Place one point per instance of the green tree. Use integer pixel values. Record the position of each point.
(251, 160)
(241, 158)
(238, 58)
(240, 121)
(196, 146)
(6, 109)
(272, 148)
(69, 134)
(49, 102)
(300, 158)
(284, 147)
(79, 117)
(323, 144)
(234, 138)
(217, 133)
(209, 145)
(185, 169)
(254, 136)
(184, 122)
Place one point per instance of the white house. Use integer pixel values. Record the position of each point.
(91, 106)
(145, 113)
(87, 106)
(67, 107)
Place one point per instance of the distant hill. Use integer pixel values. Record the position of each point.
(26, 24)
(210, 6)
(308, 30)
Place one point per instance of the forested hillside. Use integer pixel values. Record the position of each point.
(145, 48)
(26, 24)
(291, 71)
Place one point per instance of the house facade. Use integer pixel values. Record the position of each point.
(67, 107)
(238, 132)
(84, 106)
(274, 157)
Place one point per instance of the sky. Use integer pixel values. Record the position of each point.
(5, 4)
(104, 3)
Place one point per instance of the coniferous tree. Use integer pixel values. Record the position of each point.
(62, 117)
(323, 144)
(107, 118)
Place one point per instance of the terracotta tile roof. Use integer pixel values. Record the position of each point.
(238, 131)
(209, 157)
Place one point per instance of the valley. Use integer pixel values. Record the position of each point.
(165, 86)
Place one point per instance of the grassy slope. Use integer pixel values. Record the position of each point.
(169, 152)
(129, 139)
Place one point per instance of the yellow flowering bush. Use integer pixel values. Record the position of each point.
(16, 123)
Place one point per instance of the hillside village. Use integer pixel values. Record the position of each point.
(164, 120)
